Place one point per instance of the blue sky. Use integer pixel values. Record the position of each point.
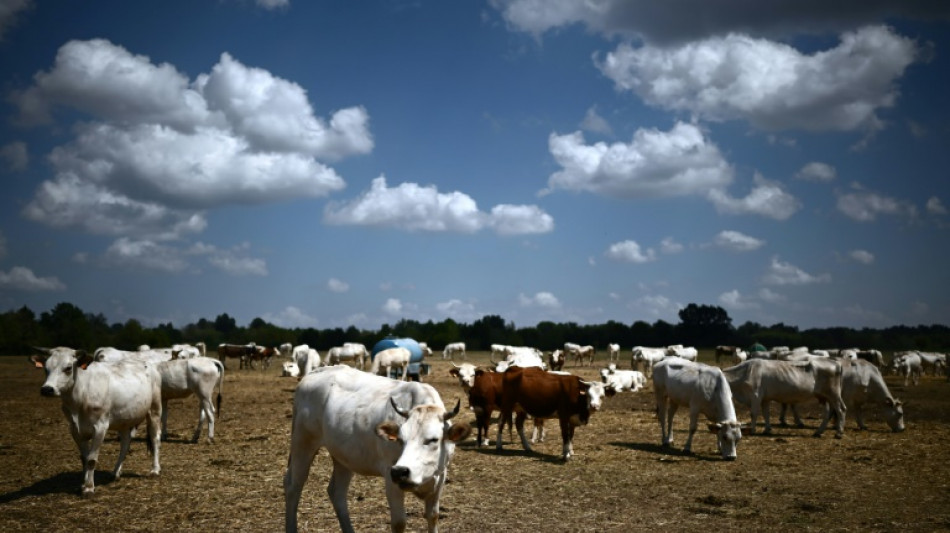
(327, 164)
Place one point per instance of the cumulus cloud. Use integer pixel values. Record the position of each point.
(767, 198)
(670, 246)
(769, 84)
(392, 306)
(816, 171)
(864, 205)
(161, 256)
(595, 123)
(630, 252)
(457, 309)
(770, 296)
(412, 207)
(782, 273)
(935, 206)
(861, 256)
(655, 163)
(736, 241)
(664, 22)
(272, 4)
(23, 279)
(15, 156)
(656, 305)
(735, 300)
(157, 148)
(335, 285)
(541, 299)
(291, 317)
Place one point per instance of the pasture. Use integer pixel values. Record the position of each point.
(619, 480)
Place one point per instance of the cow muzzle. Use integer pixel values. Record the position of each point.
(46, 390)
(400, 476)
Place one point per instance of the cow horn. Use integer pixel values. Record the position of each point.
(47, 351)
(404, 414)
(455, 365)
(449, 415)
(491, 357)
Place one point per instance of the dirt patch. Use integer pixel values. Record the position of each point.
(621, 479)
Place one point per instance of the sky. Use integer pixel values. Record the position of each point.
(330, 163)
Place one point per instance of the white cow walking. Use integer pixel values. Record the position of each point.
(453, 348)
(199, 376)
(99, 397)
(371, 426)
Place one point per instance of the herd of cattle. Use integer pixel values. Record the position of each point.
(401, 431)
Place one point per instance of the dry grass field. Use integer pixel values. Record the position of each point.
(619, 480)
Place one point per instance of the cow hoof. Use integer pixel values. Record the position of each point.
(816, 435)
(153, 473)
(88, 493)
(839, 435)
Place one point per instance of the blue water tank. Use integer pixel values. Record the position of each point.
(415, 351)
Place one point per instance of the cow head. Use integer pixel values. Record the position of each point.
(894, 414)
(427, 439)
(595, 394)
(728, 434)
(465, 374)
(61, 365)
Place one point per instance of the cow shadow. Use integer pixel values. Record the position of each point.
(517, 452)
(64, 483)
(659, 449)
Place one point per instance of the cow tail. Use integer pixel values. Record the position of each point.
(217, 407)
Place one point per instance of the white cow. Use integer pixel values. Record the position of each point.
(684, 352)
(100, 397)
(452, 349)
(286, 350)
(354, 351)
(307, 359)
(523, 356)
(862, 384)
(571, 349)
(585, 352)
(373, 427)
(384, 360)
(910, 365)
(622, 380)
(703, 388)
(199, 376)
(613, 352)
(185, 351)
(113, 355)
(465, 374)
(426, 351)
(644, 358)
(290, 370)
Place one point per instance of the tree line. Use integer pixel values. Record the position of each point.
(703, 326)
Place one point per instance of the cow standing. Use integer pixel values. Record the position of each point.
(371, 426)
(703, 389)
(98, 397)
(544, 394)
(199, 376)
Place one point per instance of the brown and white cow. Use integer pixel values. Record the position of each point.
(556, 360)
(465, 373)
(98, 397)
(240, 351)
(702, 388)
(543, 394)
(757, 382)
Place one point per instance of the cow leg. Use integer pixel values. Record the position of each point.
(338, 488)
(693, 423)
(432, 508)
(302, 452)
(519, 424)
(670, 412)
(91, 459)
(767, 417)
(567, 437)
(164, 419)
(205, 412)
(397, 508)
(859, 415)
(537, 435)
(125, 440)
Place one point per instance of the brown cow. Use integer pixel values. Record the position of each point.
(544, 394)
(241, 351)
(484, 397)
(263, 354)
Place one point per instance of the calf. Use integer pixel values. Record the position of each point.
(546, 395)
(199, 376)
(371, 426)
(99, 397)
(703, 389)
(760, 381)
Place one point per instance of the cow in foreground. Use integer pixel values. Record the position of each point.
(199, 376)
(371, 426)
(757, 382)
(98, 397)
(544, 394)
(703, 389)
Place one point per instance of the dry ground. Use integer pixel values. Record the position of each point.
(619, 480)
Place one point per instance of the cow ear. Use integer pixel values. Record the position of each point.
(38, 361)
(83, 358)
(388, 430)
(714, 428)
(454, 372)
(458, 432)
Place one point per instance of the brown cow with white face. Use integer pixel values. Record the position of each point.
(544, 394)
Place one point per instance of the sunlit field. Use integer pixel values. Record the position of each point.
(619, 480)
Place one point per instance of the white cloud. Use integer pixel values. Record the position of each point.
(935, 206)
(273, 4)
(595, 123)
(23, 279)
(392, 306)
(155, 147)
(412, 207)
(335, 285)
(736, 241)
(15, 156)
(670, 246)
(457, 309)
(541, 299)
(239, 266)
(145, 254)
(816, 171)
(864, 206)
(656, 305)
(291, 317)
(734, 300)
(769, 84)
(629, 251)
(781, 273)
(767, 198)
(770, 296)
(655, 163)
(862, 256)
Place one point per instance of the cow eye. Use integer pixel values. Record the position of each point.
(430, 442)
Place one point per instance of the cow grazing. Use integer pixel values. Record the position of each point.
(546, 395)
(397, 357)
(862, 384)
(613, 352)
(757, 382)
(199, 376)
(584, 352)
(452, 349)
(702, 388)
(371, 426)
(354, 352)
(99, 397)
